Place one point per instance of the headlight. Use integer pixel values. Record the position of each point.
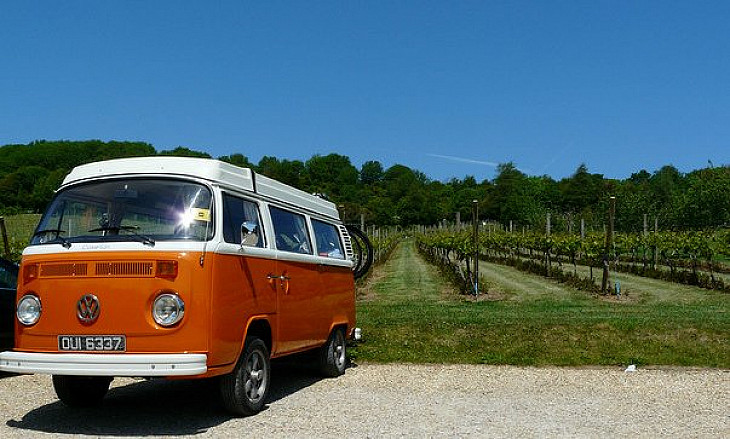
(168, 309)
(29, 310)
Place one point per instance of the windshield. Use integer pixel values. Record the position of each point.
(145, 210)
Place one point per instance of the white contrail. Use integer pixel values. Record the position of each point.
(556, 157)
(464, 160)
(472, 161)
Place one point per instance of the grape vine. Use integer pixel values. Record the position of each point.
(684, 257)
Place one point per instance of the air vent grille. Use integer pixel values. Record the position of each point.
(144, 269)
(64, 270)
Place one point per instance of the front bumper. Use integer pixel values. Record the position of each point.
(135, 365)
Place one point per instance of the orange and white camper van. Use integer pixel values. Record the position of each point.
(181, 267)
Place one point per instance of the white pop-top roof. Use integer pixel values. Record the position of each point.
(215, 171)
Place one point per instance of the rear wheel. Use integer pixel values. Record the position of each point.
(81, 391)
(244, 391)
(333, 355)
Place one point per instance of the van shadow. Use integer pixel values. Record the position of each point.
(158, 407)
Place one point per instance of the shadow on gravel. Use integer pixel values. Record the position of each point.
(158, 407)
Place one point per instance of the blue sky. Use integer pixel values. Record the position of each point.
(450, 88)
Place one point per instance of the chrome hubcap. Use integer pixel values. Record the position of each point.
(255, 377)
(339, 349)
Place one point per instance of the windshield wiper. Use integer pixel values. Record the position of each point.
(64, 242)
(146, 240)
(114, 228)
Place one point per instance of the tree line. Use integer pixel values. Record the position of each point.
(399, 195)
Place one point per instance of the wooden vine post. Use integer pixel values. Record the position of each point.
(5, 237)
(608, 245)
(548, 229)
(475, 216)
(656, 248)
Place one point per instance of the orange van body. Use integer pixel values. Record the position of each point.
(223, 297)
(265, 261)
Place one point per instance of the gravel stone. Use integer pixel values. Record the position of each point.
(397, 400)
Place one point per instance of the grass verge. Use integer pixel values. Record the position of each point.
(19, 228)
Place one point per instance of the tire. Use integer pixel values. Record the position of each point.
(333, 355)
(81, 391)
(363, 251)
(244, 391)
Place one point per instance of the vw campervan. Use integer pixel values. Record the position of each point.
(181, 268)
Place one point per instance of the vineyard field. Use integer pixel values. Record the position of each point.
(412, 315)
(693, 258)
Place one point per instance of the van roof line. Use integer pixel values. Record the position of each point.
(211, 170)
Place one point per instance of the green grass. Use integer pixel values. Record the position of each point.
(409, 315)
(19, 229)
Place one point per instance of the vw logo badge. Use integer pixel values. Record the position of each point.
(88, 309)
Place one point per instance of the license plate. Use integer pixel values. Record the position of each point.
(92, 343)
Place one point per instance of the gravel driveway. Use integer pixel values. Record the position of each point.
(397, 400)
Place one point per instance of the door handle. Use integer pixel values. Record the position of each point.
(272, 280)
(283, 279)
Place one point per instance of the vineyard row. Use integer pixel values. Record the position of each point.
(682, 257)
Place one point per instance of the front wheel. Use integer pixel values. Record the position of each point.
(333, 355)
(81, 391)
(244, 391)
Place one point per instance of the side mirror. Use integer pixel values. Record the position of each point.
(249, 234)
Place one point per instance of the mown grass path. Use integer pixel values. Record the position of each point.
(406, 277)
(409, 315)
(518, 286)
(636, 287)
(648, 289)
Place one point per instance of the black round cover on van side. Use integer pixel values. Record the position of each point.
(362, 251)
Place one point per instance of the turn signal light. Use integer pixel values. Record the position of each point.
(166, 269)
(30, 272)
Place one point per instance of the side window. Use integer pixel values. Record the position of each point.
(290, 230)
(241, 222)
(328, 240)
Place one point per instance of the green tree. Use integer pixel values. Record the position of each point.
(514, 197)
(582, 190)
(239, 160)
(15, 188)
(332, 175)
(182, 151)
(290, 172)
(707, 198)
(371, 172)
